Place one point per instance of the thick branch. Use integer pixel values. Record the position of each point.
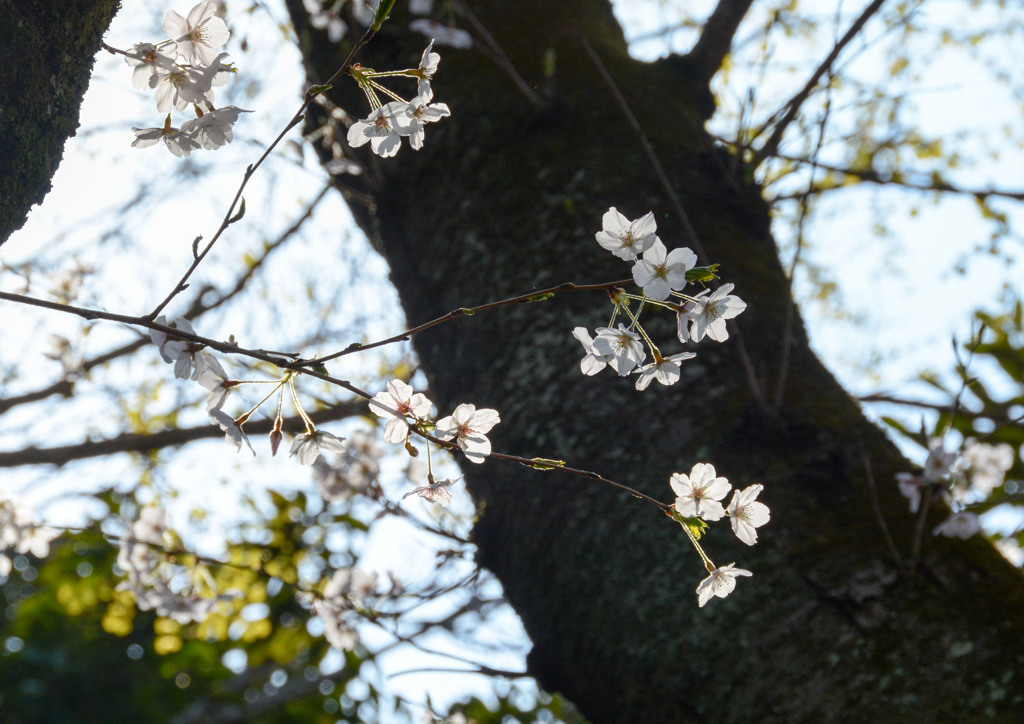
(716, 38)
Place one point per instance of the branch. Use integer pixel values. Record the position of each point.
(143, 443)
(792, 107)
(874, 177)
(715, 40)
(65, 387)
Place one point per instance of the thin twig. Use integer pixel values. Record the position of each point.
(876, 506)
(789, 111)
(230, 215)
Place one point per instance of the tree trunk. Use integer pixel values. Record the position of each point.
(49, 48)
(505, 198)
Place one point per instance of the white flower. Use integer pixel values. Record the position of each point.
(233, 432)
(960, 525)
(427, 68)
(666, 370)
(213, 128)
(329, 18)
(442, 34)
(148, 59)
(910, 488)
(179, 352)
(178, 143)
(350, 586)
(746, 514)
(468, 426)
(434, 492)
(987, 465)
(721, 583)
(700, 492)
(660, 272)
(178, 87)
(624, 238)
(212, 376)
(383, 129)
(593, 362)
(353, 471)
(937, 465)
(707, 314)
(308, 446)
(420, 111)
(624, 348)
(199, 35)
(397, 402)
(421, 7)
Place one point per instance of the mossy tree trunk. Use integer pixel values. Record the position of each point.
(506, 198)
(48, 53)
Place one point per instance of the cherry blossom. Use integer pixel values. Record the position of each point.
(199, 35)
(747, 514)
(419, 112)
(660, 272)
(593, 362)
(434, 492)
(624, 238)
(720, 583)
(442, 34)
(233, 431)
(700, 492)
(665, 370)
(910, 488)
(395, 404)
(427, 68)
(381, 129)
(178, 143)
(468, 426)
(148, 60)
(179, 87)
(939, 461)
(707, 314)
(213, 129)
(623, 347)
(959, 525)
(308, 446)
(212, 376)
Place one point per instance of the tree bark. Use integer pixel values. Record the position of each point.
(506, 197)
(49, 48)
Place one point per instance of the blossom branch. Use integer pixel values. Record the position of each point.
(230, 216)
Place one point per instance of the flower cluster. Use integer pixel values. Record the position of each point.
(347, 592)
(20, 532)
(698, 501)
(405, 410)
(183, 70)
(662, 276)
(961, 478)
(389, 122)
(142, 557)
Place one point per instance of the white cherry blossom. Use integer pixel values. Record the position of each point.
(660, 272)
(623, 347)
(213, 129)
(624, 238)
(147, 60)
(395, 404)
(469, 426)
(707, 314)
(593, 362)
(382, 129)
(434, 492)
(419, 112)
(666, 370)
(199, 35)
(747, 514)
(700, 493)
(959, 525)
(720, 583)
(308, 446)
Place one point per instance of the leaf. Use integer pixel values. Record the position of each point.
(546, 464)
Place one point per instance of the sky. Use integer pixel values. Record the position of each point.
(903, 299)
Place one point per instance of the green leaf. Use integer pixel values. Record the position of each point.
(546, 464)
(315, 90)
(702, 274)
